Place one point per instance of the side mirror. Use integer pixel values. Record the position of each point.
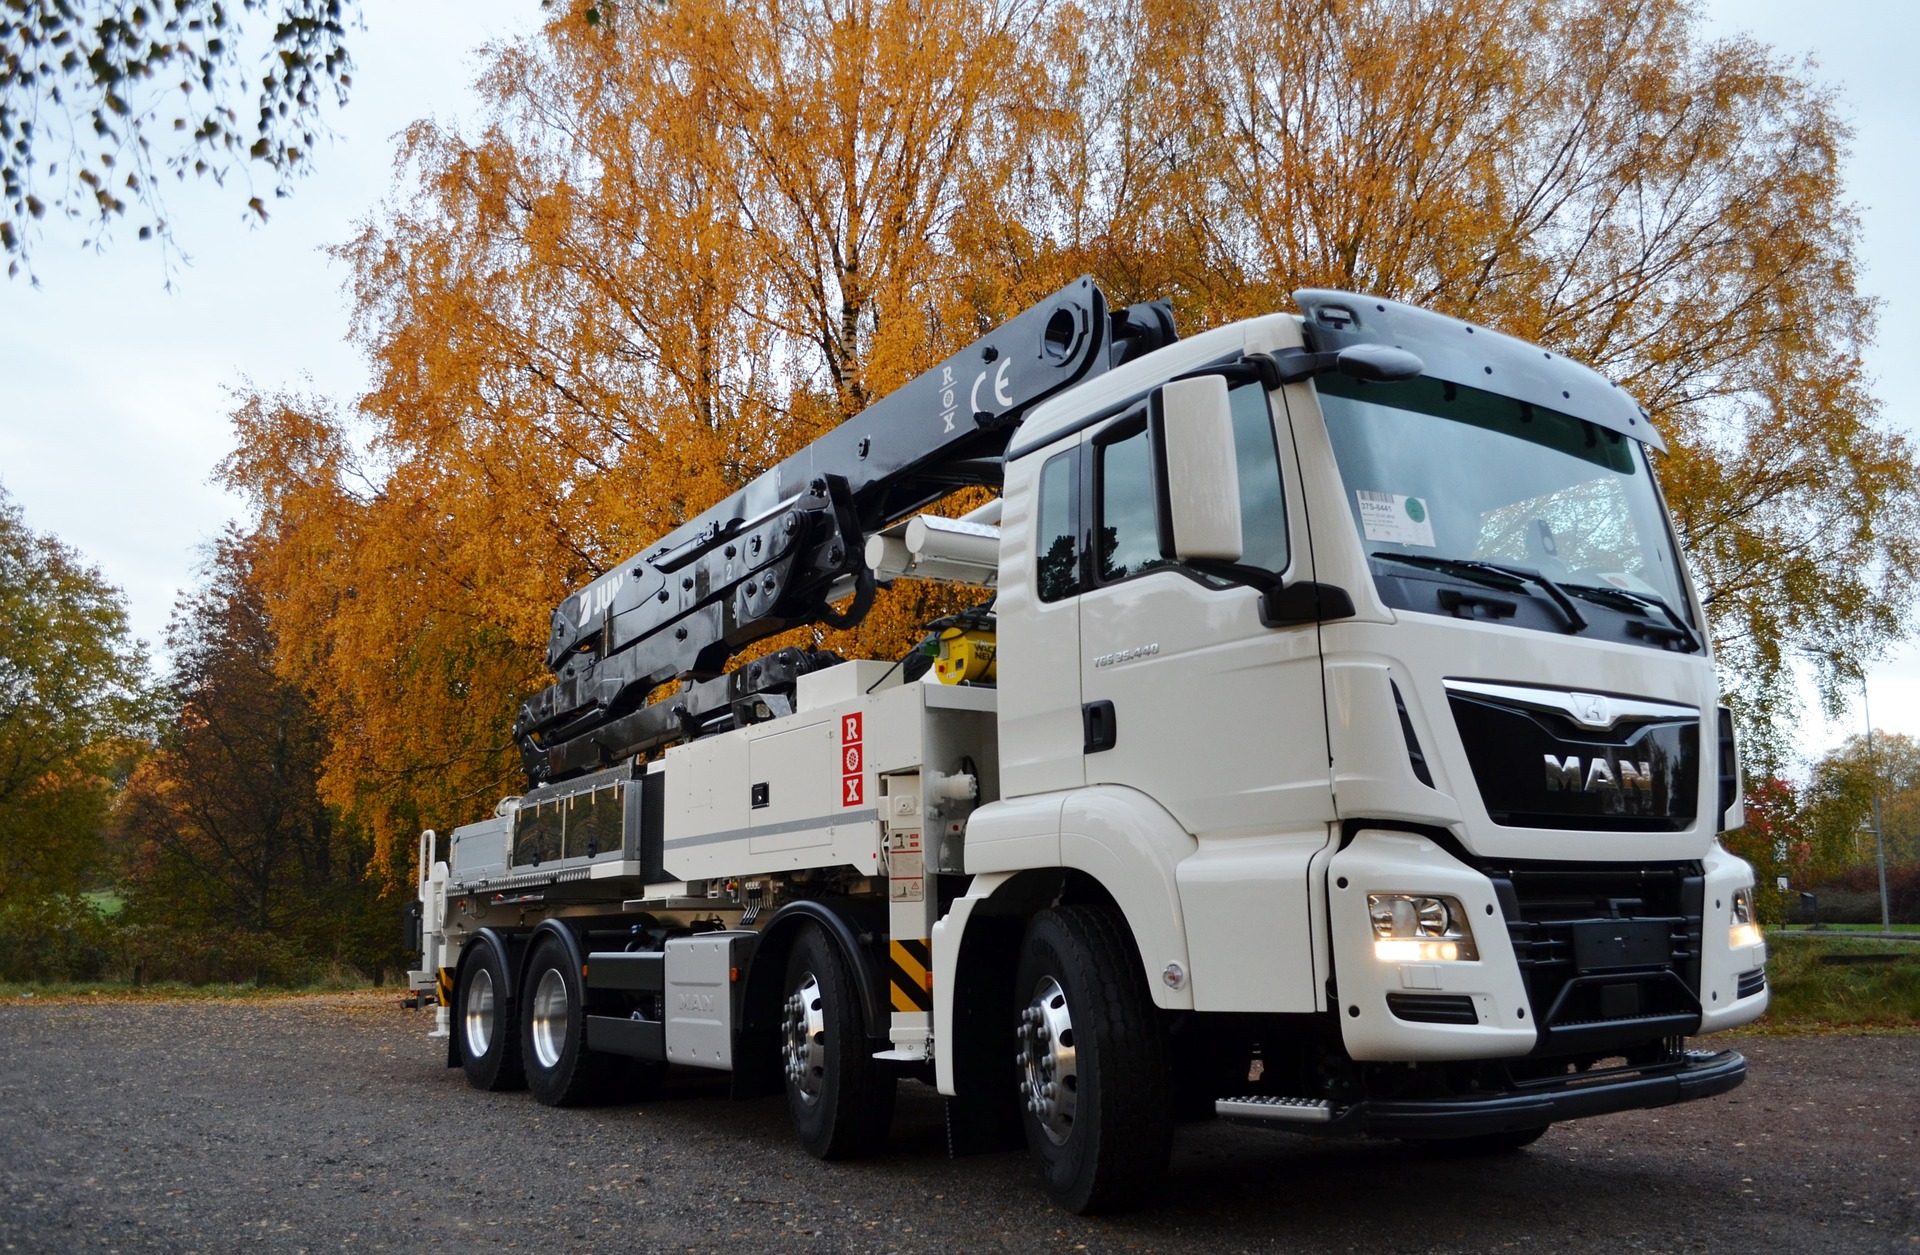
(1199, 477)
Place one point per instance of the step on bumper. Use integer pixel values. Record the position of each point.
(1698, 1074)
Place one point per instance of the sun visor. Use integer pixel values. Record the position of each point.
(1463, 353)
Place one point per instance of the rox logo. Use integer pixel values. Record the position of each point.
(1600, 775)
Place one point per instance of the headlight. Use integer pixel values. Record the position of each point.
(1419, 928)
(1741, 930)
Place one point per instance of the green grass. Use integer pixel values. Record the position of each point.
(1845, 928)
(159, 991)
(1811, 996)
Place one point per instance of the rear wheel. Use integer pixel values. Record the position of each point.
(488, 1031)
(561, 1071)
(1095, 1076)
(840, 1098)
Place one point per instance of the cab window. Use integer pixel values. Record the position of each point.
(1127, 534)
(1056, 537)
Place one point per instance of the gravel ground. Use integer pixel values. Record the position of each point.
(331, 1123)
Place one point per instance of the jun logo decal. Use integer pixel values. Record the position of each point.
(597, 597)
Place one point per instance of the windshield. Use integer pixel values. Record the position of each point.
(1449, 483)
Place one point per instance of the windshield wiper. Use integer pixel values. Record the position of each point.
(1576, 622)
(1684, 634)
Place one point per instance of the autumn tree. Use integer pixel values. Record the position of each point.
(1838, 813)
(233, 850)
(100, 100)
(689, 238)
(687, 242)
(74, 711)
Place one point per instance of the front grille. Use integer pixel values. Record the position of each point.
(1540, 768)
(1751, 983)
(1610, 953)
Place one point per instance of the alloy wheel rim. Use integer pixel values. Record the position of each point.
(803, 1045)
(1049, 1063)
(550, 1018)
(479, 1016)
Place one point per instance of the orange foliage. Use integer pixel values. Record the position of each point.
(690, 238)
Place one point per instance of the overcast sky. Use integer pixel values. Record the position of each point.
(113, 391)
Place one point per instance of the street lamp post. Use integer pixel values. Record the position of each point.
(1873, 777)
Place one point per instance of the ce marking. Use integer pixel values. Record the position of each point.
(1000, 392)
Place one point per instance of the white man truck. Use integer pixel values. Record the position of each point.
(1335, 746)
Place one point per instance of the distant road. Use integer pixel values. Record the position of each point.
(331, 1123)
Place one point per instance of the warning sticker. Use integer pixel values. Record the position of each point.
(906, 868)
(852, 761)
(1395, 519)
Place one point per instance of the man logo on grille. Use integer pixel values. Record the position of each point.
(1601, 775)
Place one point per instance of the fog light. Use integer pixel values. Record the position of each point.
(1741, 930)
(1419, 928)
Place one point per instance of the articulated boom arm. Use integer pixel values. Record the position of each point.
(775, 554)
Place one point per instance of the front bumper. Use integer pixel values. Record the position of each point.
(1528, 1105)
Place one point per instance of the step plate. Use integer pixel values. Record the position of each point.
(1263, 1107)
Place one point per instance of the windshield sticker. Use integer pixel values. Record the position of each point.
(1395, 519)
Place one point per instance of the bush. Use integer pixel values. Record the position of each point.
(62, 938)
(1853, 896)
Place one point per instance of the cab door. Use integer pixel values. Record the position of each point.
(1038, 608)
(1186, 695)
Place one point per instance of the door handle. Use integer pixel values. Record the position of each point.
(1098, 720)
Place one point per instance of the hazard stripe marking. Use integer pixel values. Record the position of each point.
(910, 972)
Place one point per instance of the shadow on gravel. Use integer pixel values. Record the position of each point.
(335, 1124)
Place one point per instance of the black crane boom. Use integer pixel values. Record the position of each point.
(776, 553)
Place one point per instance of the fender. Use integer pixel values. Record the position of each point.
(509, 947)
(1131, 845)
(1125, 841)
(568, 938)
(832, 915)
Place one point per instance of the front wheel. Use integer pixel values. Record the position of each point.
(840, 1098)
(488, 1029)
(1095, 1075)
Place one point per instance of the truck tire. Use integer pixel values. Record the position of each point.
(561, 1071)
(840, 1098)
(485, 1020)
(1094, 1063)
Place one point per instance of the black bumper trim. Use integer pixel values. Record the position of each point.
(1529, 1107)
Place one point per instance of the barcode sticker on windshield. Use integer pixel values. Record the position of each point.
(1394, 519)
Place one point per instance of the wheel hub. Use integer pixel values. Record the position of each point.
(803, 1045)
(1048, 1062)
(550, 1018)
(478, 1020)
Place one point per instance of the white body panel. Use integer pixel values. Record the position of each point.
(809, 818)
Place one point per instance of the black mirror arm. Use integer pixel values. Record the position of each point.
(1290, 365)
(1281, 604)
(1373, 362)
